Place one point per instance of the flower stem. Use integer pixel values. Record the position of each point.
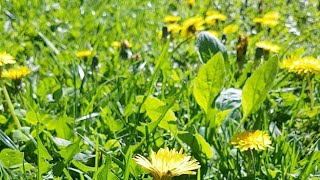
(253, 164)
(10, 105)
(311, 95)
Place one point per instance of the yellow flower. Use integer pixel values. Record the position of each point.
(166, 164)
(230, 29)
(268, 46)
(174, 28)
(84, 54)
(116, 44)
(271, 19)
(191, 26)
(215, 33)
(253, 140)
(213, 16)
(6, 58)
(302, 65)
(191, 3)
(171, 19)
(16, 73)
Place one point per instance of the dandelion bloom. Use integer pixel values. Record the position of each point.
(253, 140)
(191, 26)
(166, 164)
(268, 46)
(16, 73)
(191, 3)
(84, 54)
(271, 19)
(171, 19)
(6, 58)
(303, 65)
(213, 16)
(174, 28)
(230, 29)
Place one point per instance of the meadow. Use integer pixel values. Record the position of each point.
(175, 89)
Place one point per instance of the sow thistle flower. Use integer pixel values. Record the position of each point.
(166, 164)
(16, 73)
(253, 140)
(191, 26)
(6, 58)
(305, 65)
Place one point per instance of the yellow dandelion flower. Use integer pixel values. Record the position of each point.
(174, 28)
(116, 44)
(303, 65)
(191, 3)
(6, 58)
(84, 53)
(230, 29)
(166, 164)
(213, 16)
(268, 46)
(215, 33)
(191, 26)
(171, 19)
(271, 19)
(253, 140)
(16, 73)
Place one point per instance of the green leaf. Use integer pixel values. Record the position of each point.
(257, 86)
(197, 143)
(70, 151)
(208, 45)
(155, 108)
(10, 157)
(209, 82)
(43, 151)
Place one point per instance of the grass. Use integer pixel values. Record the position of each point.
(85, 118)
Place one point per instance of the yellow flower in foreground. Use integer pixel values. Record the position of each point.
(191, 3)
(268, 46)
(6, 58)
(191, 26)
(84, 54)
(171, 19)
(253, 140)
(174, 28)
(302, 65)
(166, 164)
(16, 73)
(230, 29)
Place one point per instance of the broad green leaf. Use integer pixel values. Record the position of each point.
(10, 157)
(257, 86)
(209, 82)
(155, 108)
(197, 143)
(208, 45)
(70, 151)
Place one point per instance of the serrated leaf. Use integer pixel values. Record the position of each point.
(208, 45)
(209, 82)
(257, 86)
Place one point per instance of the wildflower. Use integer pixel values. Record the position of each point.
(166, 164)
(6, 58)
(268, 46)
(191, 3)
(215, 33)
(171, 19)
(213, 16)
(230, 29)
(16, 73)
(116, 44)
(253, 140)
(84, 54)
(271, 19)
(303, 65)
(191, 26)
(174, 28)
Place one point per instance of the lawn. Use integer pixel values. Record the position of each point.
(175, 89)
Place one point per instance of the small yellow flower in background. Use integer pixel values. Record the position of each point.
(174, 28)
(191, 3)
(16, 73)
(191, 26)
(213, 16)
(303, 65)
(253, 140)
(215, 33)
(230, 29)
(6, 58)
(84, 54)
(166, 164)
(271, 19)
(171, 19)
(116, 44)
(268, 46)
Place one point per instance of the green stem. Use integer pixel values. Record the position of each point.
(310, 86)
(253, 164)
(10, 105)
